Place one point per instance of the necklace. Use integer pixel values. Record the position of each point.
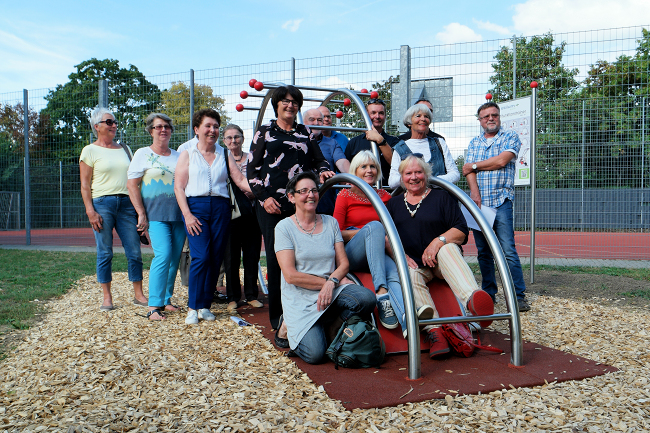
(301, 228)
(406, 203)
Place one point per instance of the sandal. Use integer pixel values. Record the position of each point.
(157, 311)
(174, 308)
(282, 343)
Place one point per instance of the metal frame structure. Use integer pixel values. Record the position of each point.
(412, 322)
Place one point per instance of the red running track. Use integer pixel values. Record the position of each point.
(577, 245)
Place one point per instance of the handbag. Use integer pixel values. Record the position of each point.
(461, 341)
(234, 206)
(358, 344)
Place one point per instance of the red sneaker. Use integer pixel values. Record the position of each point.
(438, 343)
(481, 304)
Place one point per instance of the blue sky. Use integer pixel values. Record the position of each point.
(41, 41)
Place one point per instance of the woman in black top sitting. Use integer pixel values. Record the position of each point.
(280, 149)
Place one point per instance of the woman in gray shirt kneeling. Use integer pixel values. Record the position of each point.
(315, 290)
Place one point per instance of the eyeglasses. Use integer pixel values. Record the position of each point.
(162, 127)
(376, 101)
(488, 116)
(234, 137)
(286, 102)
(306, 191)
(109, 122)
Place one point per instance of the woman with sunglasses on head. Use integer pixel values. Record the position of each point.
(103, 167)
(245, 239)
(201, 188)
(280, 149)
(434, 150)
(316, 295)
(151, 187)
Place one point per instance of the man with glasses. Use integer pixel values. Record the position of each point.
(341, 139)
(377, 111)
(332, 153)
(490, 173)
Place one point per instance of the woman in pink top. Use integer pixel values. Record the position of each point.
(365, 240)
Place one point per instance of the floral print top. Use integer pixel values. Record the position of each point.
(276, 156)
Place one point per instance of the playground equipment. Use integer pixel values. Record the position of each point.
(412, 322)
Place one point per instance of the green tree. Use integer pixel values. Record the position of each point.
(131, 97)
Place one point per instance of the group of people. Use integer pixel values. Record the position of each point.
(311, 242)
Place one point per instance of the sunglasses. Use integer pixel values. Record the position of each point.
(109, 122)
(376, 101)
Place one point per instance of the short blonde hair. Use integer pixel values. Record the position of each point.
(409, 159)
(361, 158)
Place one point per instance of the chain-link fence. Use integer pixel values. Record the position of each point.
(592, 156)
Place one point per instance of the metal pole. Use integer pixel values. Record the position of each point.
(293, 71)
(102, 94)
(533, 149)
(190, 131)
(582, 174)
(514, 66)
(642, 157)
(28, 218)
(61, 191)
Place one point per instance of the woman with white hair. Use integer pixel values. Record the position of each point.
(365, 243)
(433, 150)
(103, 167)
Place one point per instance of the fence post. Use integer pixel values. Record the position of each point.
(401, 99)
(642, 158)
(533, 149)
(28, 215)
(190, 132)
(582, 173)
(514, 66)
(103, 94)
(61, 191)
(293, 71)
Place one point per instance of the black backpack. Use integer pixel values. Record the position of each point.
(358, 344)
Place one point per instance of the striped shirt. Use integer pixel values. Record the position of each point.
(497, 185)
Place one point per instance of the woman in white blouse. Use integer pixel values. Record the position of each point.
(201, 189)
(434, 150)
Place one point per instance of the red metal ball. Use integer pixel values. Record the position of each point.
(374, 94)
(252, 82)
(339, 114)
(488, 96)
(347, 102)
(243, 94)
(364, 90)
(259, 86)
(533, 84)
(239, 107)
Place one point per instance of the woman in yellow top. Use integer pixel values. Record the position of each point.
(103, 166)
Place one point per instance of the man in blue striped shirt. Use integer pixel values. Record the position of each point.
(490, 173)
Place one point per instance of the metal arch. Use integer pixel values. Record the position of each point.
(508, 287)
(400, 260)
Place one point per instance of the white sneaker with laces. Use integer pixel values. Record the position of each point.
(192, 318)
(205, 314)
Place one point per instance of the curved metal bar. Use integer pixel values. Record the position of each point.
(508, 287)
(265, 103)
(400, 261)
(261, 280)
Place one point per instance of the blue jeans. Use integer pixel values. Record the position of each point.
(366, 252)
(167, 239)
(353, 300)
(117, 213)
(503, 228)
(206, 248)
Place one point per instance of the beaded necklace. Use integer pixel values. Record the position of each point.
(406, 203)
(301, 228)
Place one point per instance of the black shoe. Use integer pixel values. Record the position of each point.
(523, 305)
(219, 298)
(282, 343)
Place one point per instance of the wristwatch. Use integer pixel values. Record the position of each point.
(474, 167)
(443, 240)
(334, 280)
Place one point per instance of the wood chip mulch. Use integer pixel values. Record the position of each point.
(82, 370)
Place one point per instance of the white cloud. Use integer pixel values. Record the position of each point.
(491, 27)
(540, 16)
(454, 33)
(292, 25)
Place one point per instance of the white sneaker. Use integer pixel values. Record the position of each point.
(205, 314)
(425, 312)
(192, 318)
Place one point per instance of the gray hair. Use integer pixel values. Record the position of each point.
(421, 162)
(233, 126)
(305, 115)
(153, 116)
(96, 117)
(361, 158)
(415, 109)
